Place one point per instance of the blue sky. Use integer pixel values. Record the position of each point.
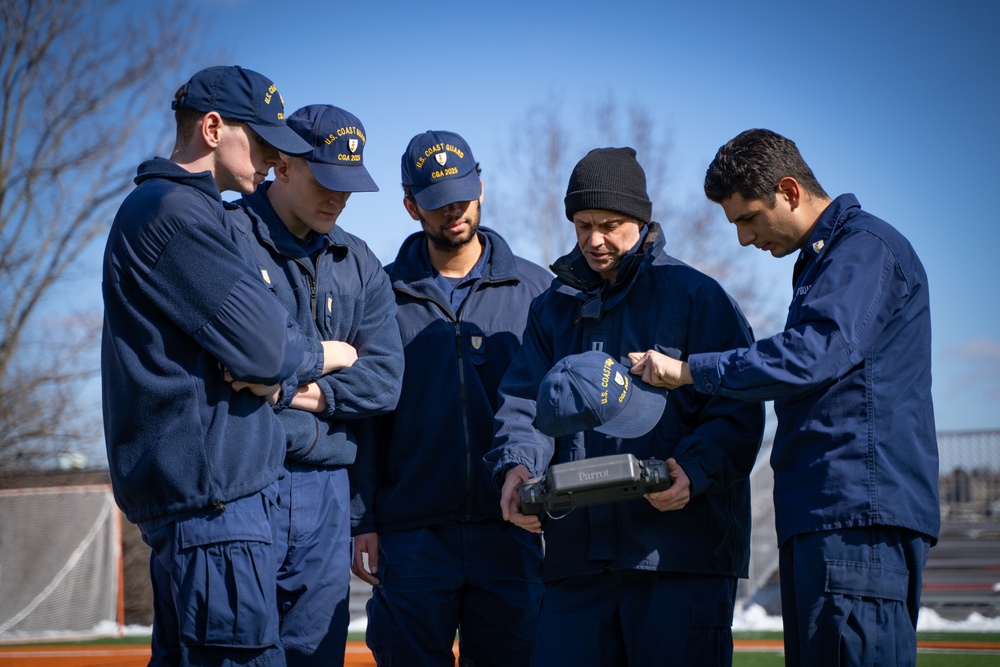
(896, 102)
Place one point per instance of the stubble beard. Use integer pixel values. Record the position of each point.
(444, 242)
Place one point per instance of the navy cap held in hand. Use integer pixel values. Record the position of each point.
(592, 391)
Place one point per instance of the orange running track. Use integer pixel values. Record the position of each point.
(121, 655)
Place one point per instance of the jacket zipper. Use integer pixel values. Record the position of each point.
(457, 323)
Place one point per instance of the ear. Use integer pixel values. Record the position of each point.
(282, 168)
(411, 208)
(482, 191)
(211, 129)
(788, 188)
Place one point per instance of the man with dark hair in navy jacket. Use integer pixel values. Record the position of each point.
(855, 454)
(439, 554)
(335, 288)
(631, 582)
(193, 342)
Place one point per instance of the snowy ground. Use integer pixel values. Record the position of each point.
(753, 618)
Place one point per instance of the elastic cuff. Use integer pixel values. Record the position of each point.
(288, 388)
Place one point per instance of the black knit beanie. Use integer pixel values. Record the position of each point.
(609, 179)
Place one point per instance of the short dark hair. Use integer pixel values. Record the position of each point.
(188, 120)
(753, 163)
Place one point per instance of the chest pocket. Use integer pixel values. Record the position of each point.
(475, 344)
(338, 315)
(281, 288)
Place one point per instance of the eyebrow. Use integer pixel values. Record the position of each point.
(744, 216)
(622, 218)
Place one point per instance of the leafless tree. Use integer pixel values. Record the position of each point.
(531, 184)
(78, 82)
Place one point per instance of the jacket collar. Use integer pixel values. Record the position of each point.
(411, 264)
(573, 270)
(270, 229)
(159, 167)
(829, 220)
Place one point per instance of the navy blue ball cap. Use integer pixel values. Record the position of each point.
(592, 391)
(337, 139)
(242, 94)
(440, 169)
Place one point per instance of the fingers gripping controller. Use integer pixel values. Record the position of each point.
(603, 479)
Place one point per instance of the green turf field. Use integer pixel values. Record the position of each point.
(991, 637)
(754, 659)
(925, 658)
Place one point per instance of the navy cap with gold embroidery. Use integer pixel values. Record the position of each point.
(440, 169)
(338, 141)
(242, 94)
(591, 391)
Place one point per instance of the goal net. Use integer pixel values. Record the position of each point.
(60, 563)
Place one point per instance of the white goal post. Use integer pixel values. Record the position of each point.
(60, 563)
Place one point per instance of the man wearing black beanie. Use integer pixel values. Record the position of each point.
(610, 179)
(625, 580)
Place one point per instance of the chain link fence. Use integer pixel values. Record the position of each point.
(969, 481)
(969, 485)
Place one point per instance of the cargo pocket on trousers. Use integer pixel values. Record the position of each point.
(867, 580)
(862, 596)
(226, 575)
(712, 613)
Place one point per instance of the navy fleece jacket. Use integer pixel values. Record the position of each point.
(180, 303)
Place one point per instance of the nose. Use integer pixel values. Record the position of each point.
(339, 198)
(595, 239)
(455, 209)
(745, 236)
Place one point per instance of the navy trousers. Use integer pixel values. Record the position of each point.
(483, 580)
(313, 540)
(213, 575)
(851, 597)
(635, 618)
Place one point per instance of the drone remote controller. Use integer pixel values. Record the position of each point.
(596, 481)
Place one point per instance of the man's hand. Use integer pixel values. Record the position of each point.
(679, 493)
(337, 355)
(366, 543)
(660, 370)
(269, 391)
(510, 500)
(309, 397)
